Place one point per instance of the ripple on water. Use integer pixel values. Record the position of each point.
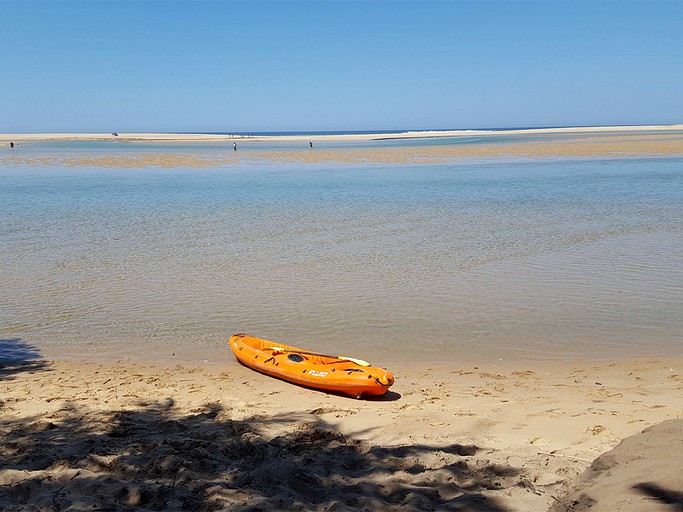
(543, 260)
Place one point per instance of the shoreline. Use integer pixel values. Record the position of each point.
(225, 356)
(512, 436)
(200, 137)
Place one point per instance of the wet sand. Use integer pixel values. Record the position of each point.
(120, 435)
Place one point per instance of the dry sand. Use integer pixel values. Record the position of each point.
(642, 473)
(121, 435)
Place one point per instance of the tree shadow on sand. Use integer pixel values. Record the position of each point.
(662, 495)
(154, 459)
(18, 356)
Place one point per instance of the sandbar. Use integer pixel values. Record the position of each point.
(605, 142)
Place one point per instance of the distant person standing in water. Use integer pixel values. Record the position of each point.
(310, 144)
(234, 146)
(11, 144)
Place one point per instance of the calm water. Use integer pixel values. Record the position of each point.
(549, 259)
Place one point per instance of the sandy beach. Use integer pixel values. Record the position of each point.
(122, 435)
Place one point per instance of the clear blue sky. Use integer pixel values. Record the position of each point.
(269, 66)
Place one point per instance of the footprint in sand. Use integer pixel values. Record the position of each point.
(596, 430)
(330, 410)
(524, 374)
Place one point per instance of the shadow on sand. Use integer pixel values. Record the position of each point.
(18, 356)
(662, 495)
(155, 459)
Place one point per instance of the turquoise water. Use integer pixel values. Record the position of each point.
(547, 259)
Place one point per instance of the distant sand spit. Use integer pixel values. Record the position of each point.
(448, 437)
(580, 144)
(207, 137)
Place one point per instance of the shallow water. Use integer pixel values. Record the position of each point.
(547, 259)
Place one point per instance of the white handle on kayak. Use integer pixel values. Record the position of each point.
(359, 362)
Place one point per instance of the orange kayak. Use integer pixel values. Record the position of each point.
(311, 369)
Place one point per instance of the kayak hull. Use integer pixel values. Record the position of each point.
(309, 369)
